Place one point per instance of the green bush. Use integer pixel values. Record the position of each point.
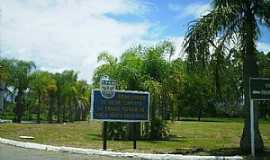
(157, 129)
(117, 131)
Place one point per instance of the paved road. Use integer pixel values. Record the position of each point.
(8, 152)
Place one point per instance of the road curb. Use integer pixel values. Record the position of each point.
(30, 145)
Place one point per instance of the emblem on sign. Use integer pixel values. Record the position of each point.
(107, 87)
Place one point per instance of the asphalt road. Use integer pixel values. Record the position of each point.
(8, 152)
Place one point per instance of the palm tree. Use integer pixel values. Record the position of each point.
(19, 79)
(51, 91)
(231, 20)
(82, 100)
(109, 67)
(44, 86)
(68, 93)
(59, 94)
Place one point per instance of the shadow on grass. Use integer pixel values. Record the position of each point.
(202, 120)
(226, 120)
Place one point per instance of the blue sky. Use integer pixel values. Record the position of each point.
(69, 34)
(173, 16)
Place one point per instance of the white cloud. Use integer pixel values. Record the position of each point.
(195, 10)
(68, 34)
(178, 44)
(265, 47)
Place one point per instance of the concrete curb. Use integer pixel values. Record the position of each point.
(37, 146)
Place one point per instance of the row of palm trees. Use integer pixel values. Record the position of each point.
(58, 97)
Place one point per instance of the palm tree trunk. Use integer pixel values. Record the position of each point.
(50, 111)
(245, 144)
(58, 109)
(71, 111)
(249, 70)
(2, 92)
(200, 113)
(64, 113)
(178, 113)
(38, 111)
(19, 106)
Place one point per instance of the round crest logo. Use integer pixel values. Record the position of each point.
(107, 87)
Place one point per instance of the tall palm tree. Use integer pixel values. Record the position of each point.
(109, 67)
(51, 92)
(68, 93)
(82, 99)
(19, 79)
(43, 85)
(227, 20)
(59, 94)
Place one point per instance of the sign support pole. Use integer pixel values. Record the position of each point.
(134, 136)
(252, 140)
(104, 135)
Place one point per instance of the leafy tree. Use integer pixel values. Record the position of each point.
(19, 79)
(141, 68)
(230, 19)
(108, 68)
(4, 75)
(69, 94)
(197, 91)
(44, 87)
(82, 100)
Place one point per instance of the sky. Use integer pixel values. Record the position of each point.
(69, 34)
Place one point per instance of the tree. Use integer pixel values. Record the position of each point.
(231, 20)
(4, 75)
(82, 100)
(109, 67)
(19, 79)
(44, 86)
(196, 95)
(59, 94)
(69, 94)
(140, 68)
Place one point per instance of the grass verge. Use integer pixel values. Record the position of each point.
(208, 137)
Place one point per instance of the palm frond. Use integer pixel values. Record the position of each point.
(262, 12)
(221, 22)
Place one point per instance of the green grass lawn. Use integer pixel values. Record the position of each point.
(210, 136)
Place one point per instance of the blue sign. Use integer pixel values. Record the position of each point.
(126, 106)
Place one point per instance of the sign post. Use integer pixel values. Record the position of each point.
(259, 89)
(252, 128)
(104, 135)
(134, 136)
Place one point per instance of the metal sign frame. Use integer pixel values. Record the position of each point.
(252, 128)
(120, 120)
